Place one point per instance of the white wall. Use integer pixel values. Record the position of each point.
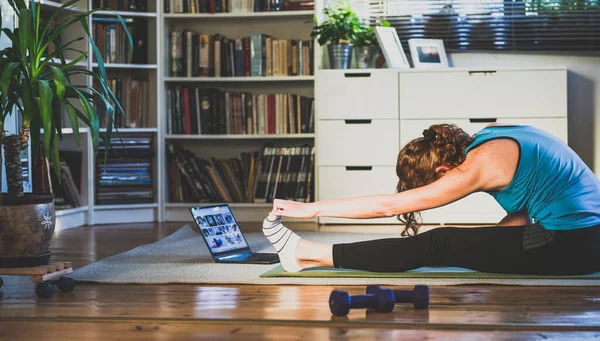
(583, 88)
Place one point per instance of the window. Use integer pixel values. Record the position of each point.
(549, 25)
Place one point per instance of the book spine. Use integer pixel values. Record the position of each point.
(239, 58)
(204, 55)
(256, 55)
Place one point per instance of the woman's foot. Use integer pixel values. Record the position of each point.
(285, 242)
(294, 252)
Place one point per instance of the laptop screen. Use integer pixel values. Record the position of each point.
(219, 228)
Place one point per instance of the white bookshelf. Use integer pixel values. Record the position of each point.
(240, 79)
(241, 137)
(124, 207)
(144, 212)
(127, 14)
(127, 66)
(71, 217)
(48, 5)
(279, 25)
(281, 15)
(131, 130)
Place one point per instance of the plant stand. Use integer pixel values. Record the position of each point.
(46, 277)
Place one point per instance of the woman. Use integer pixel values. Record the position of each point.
(551, 196)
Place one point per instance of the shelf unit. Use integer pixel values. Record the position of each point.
(241, 137)
(150, 71)
(240, 79)
(127, 66)
(280, 25)
(48, 5)
(283, 25)
(256, 15)
(90, 212)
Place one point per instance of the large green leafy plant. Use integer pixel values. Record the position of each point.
(35, 79)
(338, 27)
(364, 35)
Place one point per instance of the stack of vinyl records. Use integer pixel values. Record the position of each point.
(126, 176)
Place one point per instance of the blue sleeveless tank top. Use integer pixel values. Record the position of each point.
(551, 183)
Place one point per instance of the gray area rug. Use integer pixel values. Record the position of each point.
(183, 257)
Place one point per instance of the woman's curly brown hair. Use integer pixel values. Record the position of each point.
(441, 144)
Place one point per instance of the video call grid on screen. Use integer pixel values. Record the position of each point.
(219, 228)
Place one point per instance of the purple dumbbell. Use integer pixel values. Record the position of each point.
(340, 302)
(419, 296)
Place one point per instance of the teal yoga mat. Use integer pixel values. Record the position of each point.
(425, 272)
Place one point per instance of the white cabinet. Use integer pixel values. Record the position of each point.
(364, 118)
(348, 94)
(367, 142)
(357, 135)
(411, 129)
(356, 181)
(483, 94)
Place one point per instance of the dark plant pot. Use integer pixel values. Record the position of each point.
(26, 228)
(340, 56)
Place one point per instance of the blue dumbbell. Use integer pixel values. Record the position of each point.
(419, 296)
(340, 302)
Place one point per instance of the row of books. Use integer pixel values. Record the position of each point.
(122, 5)
(193, 54)
(113, 43)
(211, 111)
(126, 176)
(237, 6)
(254, 177)
(132, 94)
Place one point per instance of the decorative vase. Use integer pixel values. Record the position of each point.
(366, 56)
(26, 228)
(340, 55)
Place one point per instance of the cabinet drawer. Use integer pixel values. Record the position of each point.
(468, 94)
(358, 142)
(347, 94)
(342, 183)
(410, 129)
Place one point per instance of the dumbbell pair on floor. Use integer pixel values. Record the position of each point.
(382, 300)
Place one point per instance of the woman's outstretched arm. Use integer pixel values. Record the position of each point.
(456, 184)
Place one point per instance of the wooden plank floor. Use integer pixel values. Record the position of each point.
(250, 312)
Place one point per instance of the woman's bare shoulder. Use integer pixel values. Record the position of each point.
(497, 161)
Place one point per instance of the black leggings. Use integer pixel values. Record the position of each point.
(527, 249)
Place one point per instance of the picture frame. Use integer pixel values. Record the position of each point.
(428, 53)
(390, 45)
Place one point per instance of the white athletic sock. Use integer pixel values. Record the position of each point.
(284, 240)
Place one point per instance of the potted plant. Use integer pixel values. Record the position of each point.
(35, 78)
(337, 31)
(366, 45)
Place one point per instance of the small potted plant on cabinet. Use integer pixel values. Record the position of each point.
(35, 78)
(337, 31)
(366, 45)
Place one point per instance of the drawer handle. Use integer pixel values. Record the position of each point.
(358, 121)
(357, 75)
(359, 168)
(483, 120)
(482, 73)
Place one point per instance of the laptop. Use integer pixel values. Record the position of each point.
(224, 238)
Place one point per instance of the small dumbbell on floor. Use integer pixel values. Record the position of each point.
(340, 302)
(419, 296)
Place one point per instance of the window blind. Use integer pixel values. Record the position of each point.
(550, 25)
